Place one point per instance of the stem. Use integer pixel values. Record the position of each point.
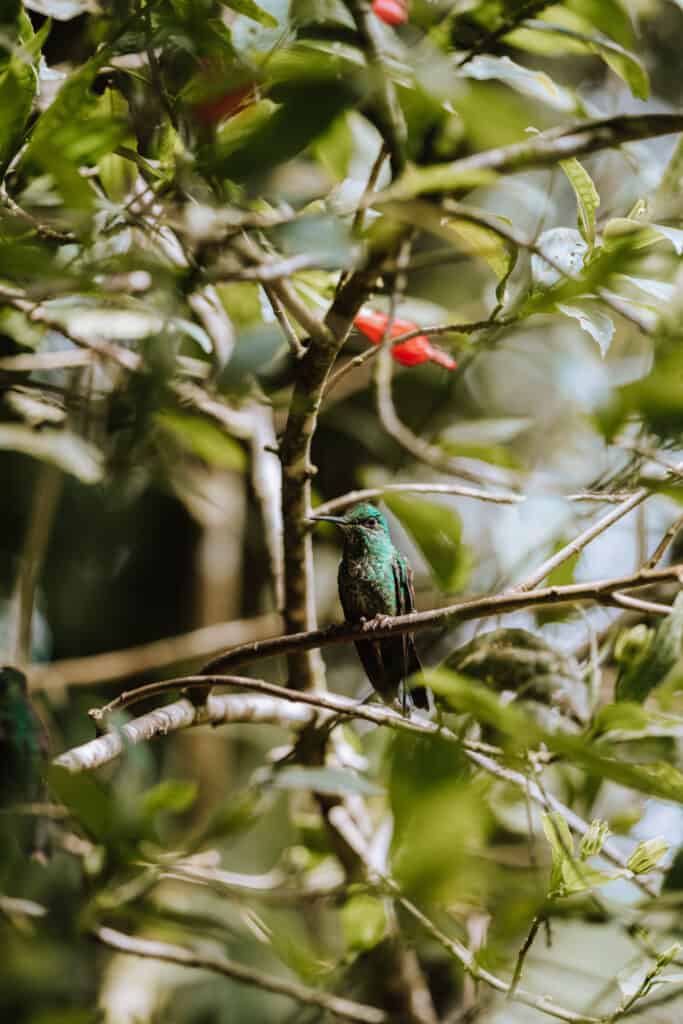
(45, 499)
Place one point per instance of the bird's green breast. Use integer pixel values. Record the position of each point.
(367, 588)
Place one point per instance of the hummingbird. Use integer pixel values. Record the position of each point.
(375, 581)
(23, 749)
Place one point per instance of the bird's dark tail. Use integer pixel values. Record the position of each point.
(419, 696)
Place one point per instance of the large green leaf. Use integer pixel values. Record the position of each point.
(203, 438)
(529, 81)
(437, 531)
(587, 198)
(333, 781)
(609, 16)
(72, 133)
(645, 664)
(251, 10)
(464, 695)
(17, 89)
(544, 37)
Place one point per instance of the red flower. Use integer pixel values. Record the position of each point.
(408, 353)
(224, 105)
(392, 12)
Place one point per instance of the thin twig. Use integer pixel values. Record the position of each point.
(420, 449)
(44, 503)
(488, 40)
(347, 1009)
(457, 949)
(279, 705)
(661, 549)
(434, 331)
(393, 124)
(526, 946)
(580, 542)
(368, 493)
(637, 604)
(281, 316)
(185, 647)
(480, 607)
(559, 143)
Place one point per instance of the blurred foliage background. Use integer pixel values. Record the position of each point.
(197, 201)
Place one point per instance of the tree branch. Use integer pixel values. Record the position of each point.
(559, 143)
(244, 707)
(136, 946)
(480, 607)
(389, 109)
(367, 494)
(186, 647)
(430, 454)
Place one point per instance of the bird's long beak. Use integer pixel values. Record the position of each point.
(337, 520)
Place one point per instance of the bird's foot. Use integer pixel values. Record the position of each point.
(378, 622)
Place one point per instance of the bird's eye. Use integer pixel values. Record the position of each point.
(370, 523)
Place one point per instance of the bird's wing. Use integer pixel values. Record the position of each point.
(405, 603)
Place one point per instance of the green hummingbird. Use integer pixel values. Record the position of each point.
(23, 748)
(375, 581)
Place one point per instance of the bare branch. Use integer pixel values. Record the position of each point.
(367, 494)
(130, 661)
(182, 714)
(661, 549)
(480, 607)
(287, 329)
(580, 542)
(342, 821)
(393, 123)
(434, 331)
(45, 499)
(416, 446)
(244, 707)
(340, 1007)
(561, 143)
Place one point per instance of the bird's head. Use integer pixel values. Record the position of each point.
(365, 528)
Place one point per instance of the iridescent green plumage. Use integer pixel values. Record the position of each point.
(375, 580)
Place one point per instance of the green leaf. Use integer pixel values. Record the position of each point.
(608, 16)
(569, 876)
(71, 134)
(436, 178)
(67, 451)
(333, 781)
(364, 922)
(17, 89)
(593, 320)
(642, 234)
(437, 531)
(647, 666)
(467, 695)
(587, 198)
(89, 802)
(657, 778)
(569, 40)
(203, 438)
(558, 834)
(251, 10)
(528, 81)
(482, 241)
(172, 795)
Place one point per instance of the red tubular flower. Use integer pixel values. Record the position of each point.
(224, 105)
(408, 353)
(391, 12)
